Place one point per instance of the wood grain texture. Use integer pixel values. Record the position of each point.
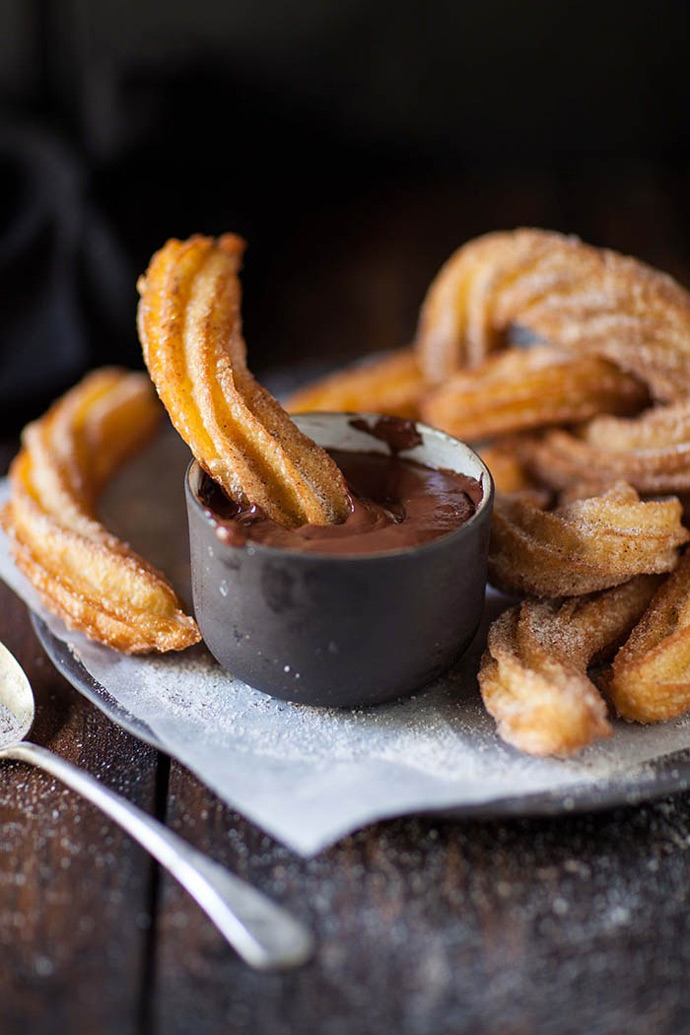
(566, 926)
(74, 890)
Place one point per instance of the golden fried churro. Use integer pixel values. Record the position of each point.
(530, 388)
(579, 298)
(600, 335)
(390, 384)
(189, 325)
(650, 677)
(456, 328)
(584, 546)
(583, 490)
(533, 675)
(92, 580)
(651, 452)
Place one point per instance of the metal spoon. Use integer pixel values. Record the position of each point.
(263, 934)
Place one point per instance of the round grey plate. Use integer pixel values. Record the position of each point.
(76, 673)
(669, 775)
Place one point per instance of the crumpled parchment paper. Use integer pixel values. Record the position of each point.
(309, 776)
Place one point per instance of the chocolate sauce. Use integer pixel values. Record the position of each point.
(396, 503)
(398, 434)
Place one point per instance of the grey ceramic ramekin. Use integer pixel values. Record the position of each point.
(343, 631)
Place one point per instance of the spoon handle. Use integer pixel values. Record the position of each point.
(263, 933)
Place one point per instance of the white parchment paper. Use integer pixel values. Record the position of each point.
(308, 776)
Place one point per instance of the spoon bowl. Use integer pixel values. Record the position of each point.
(17, 707)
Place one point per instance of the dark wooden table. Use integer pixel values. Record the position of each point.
(575, 925)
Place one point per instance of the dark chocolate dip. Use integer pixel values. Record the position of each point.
(396, 503)
(398, 434)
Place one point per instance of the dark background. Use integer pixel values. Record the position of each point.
(354, 143)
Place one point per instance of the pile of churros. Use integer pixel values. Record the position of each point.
(566, 365)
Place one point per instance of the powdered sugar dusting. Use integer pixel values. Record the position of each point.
(307, 775)
(10, 728)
